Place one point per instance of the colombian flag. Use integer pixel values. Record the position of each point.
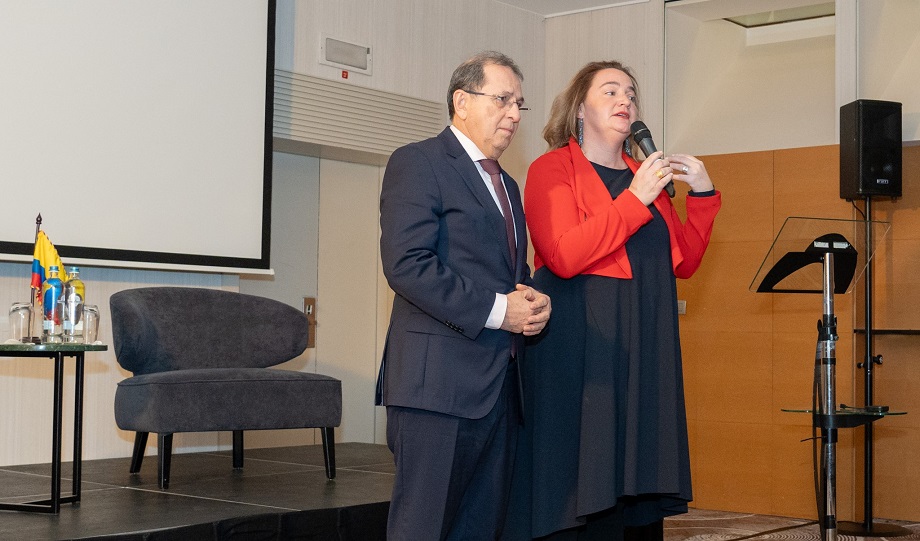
(44, 258)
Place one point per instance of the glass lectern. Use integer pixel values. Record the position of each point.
(824, 256)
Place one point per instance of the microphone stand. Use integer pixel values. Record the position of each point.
(823, 415)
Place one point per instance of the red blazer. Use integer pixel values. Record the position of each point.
(576, 228)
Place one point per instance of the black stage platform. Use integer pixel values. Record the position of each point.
(281, 493)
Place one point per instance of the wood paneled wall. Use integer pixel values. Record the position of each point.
(748, 355)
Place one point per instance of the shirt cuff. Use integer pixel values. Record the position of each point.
(708, 193)
(497, 315)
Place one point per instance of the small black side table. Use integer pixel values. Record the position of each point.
(57, 352)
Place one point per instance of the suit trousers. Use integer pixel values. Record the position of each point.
(453, 475)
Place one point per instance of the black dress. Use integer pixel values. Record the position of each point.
(605, 426)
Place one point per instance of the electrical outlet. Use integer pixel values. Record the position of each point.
(309, 308)
(681, 308)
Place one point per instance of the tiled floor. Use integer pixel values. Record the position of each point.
(701, 525)
(282, 489)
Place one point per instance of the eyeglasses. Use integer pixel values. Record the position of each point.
(504, 100)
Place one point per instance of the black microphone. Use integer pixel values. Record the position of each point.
(643, 138)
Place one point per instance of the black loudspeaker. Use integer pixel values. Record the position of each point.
(870, 149)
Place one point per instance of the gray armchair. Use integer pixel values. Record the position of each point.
(200, 360)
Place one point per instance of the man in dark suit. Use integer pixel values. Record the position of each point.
(463, 305)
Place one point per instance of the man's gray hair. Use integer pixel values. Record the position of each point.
(470, 75)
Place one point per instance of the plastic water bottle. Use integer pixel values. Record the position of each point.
(73, 296)
(52, 307)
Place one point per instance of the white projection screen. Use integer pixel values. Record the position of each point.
(140, 130)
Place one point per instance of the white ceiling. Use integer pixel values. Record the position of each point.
(700, 9)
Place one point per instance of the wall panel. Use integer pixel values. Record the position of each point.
(416, 46)
(632, 34)
(346, 315)
(887, 50)
(747, 356)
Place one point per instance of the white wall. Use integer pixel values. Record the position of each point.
(416, 45)
(726, 96)
(889, 46)
(721, 96)
(295, 238)
(632, 34)
(347, 305)
(417, 60)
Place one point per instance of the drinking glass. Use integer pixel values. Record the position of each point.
(20, 321)
(90, 323)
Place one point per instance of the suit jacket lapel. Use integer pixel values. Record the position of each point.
(465, 167)
(467, 170)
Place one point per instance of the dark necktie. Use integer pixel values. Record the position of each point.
(491, 167)
(495, 172)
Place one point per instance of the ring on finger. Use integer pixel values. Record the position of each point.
(685, 169)
(659, 174)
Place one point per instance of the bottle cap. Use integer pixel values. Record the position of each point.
(74, 269)
(53, 268)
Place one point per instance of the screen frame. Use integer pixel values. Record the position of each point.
(110, 257)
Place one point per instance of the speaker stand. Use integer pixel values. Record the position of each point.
(867, 528)
(863, 529)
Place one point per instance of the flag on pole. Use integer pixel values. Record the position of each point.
(43, 259)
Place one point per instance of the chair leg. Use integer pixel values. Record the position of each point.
(164, 452)
(329, 450)
(237, 449)
(140, 445)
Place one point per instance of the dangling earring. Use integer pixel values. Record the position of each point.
(580, 130)
(627, 148)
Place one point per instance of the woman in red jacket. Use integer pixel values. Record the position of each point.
(604, 448)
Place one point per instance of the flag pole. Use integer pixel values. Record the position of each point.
(32, 314)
